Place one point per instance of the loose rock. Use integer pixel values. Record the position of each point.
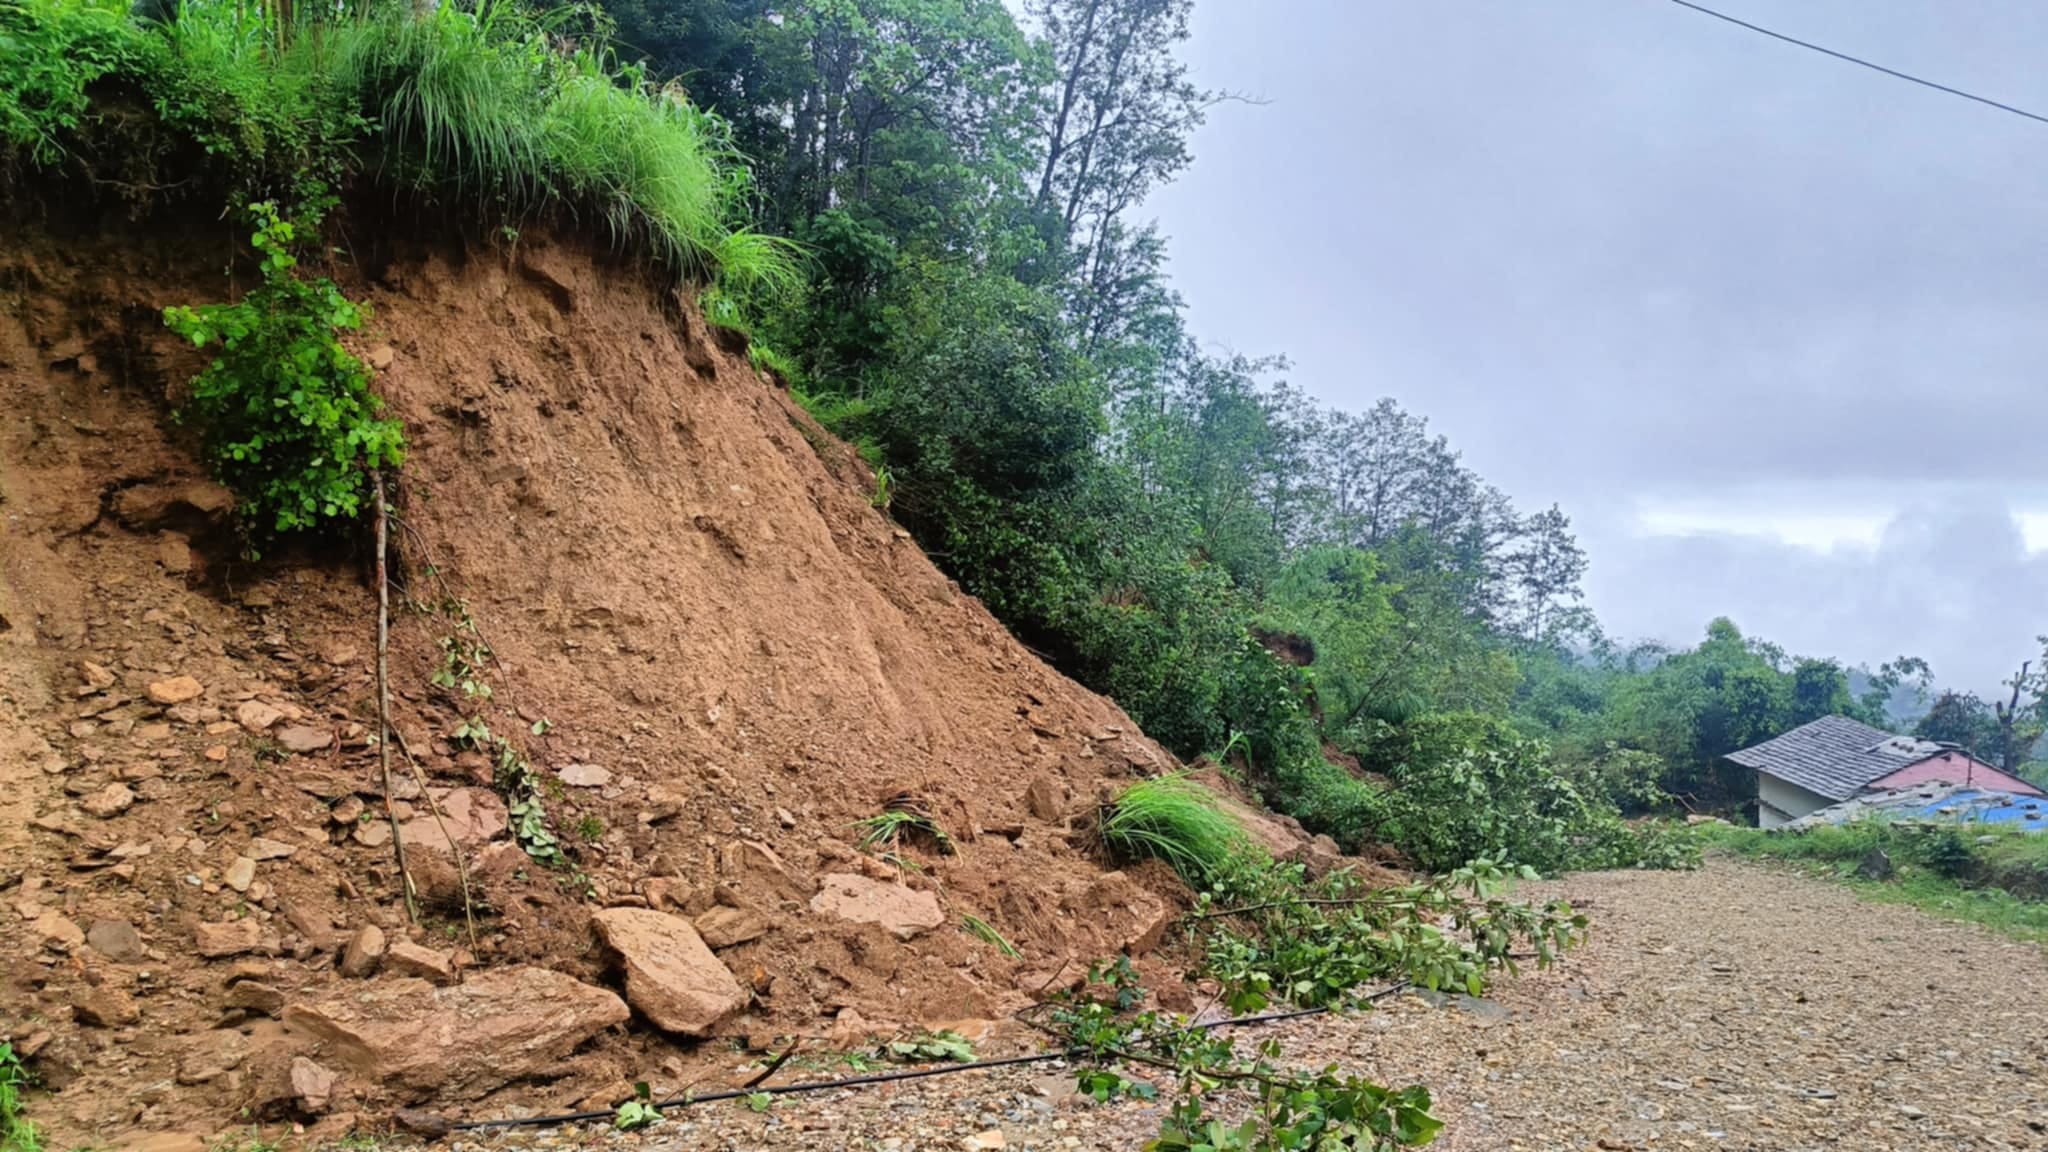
(117, 940)
(364, 952)
(405, 958)
(724, 927)
(256, 716)
(417, 1041)
(302, 739)
(585, 776)
(106, 1007)
(312, 1085)
(108, 802)
(231, 938)
(256, 996)
(56, 929)
(175, 690)
(240, 874)
(904, 912)
(671, 976)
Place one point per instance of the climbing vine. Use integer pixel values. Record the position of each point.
(464, 656)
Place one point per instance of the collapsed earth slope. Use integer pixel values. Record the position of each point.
(716, 654)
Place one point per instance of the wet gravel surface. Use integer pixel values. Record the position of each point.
(1738, 1007)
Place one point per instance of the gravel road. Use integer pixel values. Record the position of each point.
(1737, 1007)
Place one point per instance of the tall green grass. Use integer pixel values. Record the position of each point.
(1174, 819)
(483, 105)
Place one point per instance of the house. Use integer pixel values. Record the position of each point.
(1835, 758)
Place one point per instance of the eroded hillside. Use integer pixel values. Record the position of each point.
(716, 654)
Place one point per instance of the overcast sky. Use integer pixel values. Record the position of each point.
(1770, 327)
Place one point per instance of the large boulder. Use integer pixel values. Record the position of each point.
(905, 912)
(671, 975)
(462, 1042)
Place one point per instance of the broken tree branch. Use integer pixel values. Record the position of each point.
(412, 910)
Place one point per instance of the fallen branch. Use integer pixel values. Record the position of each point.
(412, 909)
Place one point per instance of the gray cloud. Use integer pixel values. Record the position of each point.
(1620, 251)
(1949, 581)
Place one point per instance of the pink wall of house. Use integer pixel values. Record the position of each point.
(1953, 768)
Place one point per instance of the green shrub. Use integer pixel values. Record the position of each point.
(1174, 819)
(50, 57)
(1467, 787)
(17, 1133)
(286, 412)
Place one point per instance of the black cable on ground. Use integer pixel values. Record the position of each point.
(884, 1077)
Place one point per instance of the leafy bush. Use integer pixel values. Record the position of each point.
(1467, 787)
(49, 60)
(1174, 819)
(286, 412)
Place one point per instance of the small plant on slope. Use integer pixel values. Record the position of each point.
(1174, 819)
(286, 412)
(17, 1134)
(901, 819)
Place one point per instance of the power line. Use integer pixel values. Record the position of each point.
(1857, 60)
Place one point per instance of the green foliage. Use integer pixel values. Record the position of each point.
(462, 674)
(929, 1048)
(1269, 933)
(903, 820)
(1326, 1108)
(285, 411)
(1174, 819)
(1465, 786)
(482, 103)
(639, 1112)
(52, 58)
(985, 931)
(17, 1132)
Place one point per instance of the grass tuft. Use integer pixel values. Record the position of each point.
(481, 102)
(1174, 819)
(986, 932)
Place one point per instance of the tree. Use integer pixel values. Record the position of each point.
(1965, 720)
(1543, 567)
(2023, 715)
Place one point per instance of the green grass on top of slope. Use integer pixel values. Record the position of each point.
(483, 104)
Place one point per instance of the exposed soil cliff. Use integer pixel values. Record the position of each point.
(734, 654)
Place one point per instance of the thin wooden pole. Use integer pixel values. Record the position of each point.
(412, 910)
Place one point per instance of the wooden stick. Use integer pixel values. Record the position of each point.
(412, 909)
(455, 846)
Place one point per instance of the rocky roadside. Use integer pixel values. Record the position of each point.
(1736, 1007)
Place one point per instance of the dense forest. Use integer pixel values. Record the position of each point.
(1329, 601)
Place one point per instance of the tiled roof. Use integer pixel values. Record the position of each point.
(1834, 755)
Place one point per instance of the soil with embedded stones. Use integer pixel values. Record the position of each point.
(1737, 1007)
(716, 654)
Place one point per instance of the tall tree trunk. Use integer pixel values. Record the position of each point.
(1056, 146)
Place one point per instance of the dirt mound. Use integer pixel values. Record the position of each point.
(717, 654)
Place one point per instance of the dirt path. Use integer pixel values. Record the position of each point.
(1732, 1008)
